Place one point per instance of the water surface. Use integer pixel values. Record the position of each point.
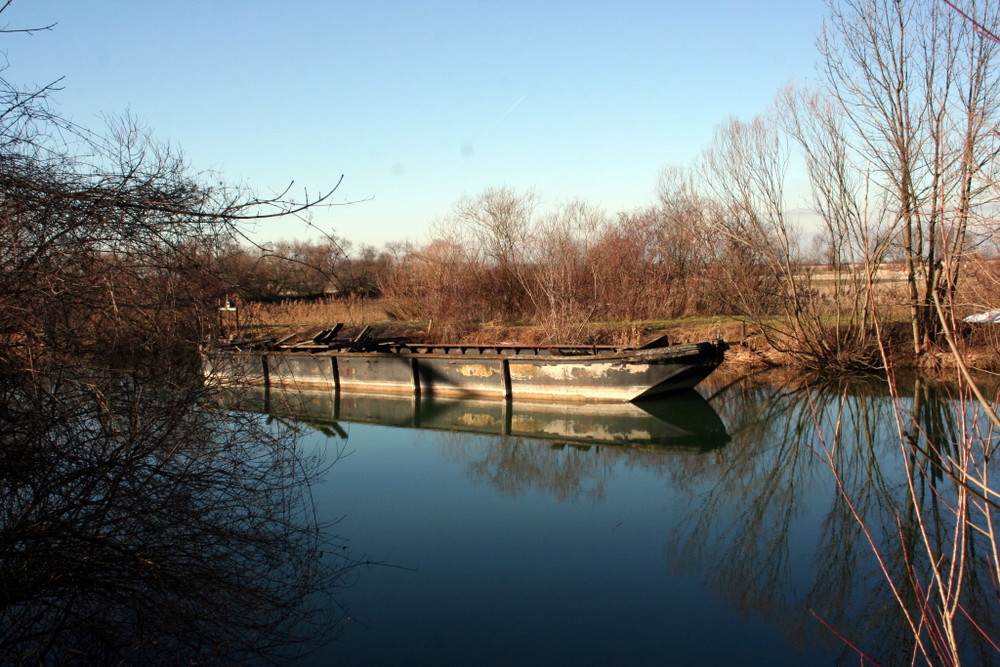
(688, 531)
(734, 525)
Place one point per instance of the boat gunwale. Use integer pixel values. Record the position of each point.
(549, 353)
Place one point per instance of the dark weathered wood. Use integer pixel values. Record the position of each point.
(327, 335)
(285, 338)
(661, 341)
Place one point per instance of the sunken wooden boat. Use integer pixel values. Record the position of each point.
(365, 364)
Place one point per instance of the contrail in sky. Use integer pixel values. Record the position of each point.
(513, 106)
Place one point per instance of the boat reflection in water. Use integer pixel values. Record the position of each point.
(684, 421)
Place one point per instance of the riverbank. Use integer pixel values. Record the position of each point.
(750, 350)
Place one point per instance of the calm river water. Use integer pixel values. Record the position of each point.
(703, 529)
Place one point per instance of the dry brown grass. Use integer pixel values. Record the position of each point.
(302, 314)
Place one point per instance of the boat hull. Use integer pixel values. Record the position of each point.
(619, 376)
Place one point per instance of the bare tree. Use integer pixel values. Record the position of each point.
(919, 93)
(131, 514)
(137, 525)
(500, 221)
(565, 282)
(744, 170)
(105, 251)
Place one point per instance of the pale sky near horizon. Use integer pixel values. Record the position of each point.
(420, 103)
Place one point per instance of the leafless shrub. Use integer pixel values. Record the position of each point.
(138, 525)
(135, 525)
(495, 260)
(441, 281)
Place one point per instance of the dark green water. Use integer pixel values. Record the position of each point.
(691, 531)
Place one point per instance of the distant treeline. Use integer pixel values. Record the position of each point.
(496, 258)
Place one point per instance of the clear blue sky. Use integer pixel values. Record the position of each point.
(419, 103)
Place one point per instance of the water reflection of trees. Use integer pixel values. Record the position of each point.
(137, 527)
(779, 521)
(743, 530)
(774, 519)
(514, 466)
(737, 529)
(940, 555)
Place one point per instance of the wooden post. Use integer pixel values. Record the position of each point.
(229, 307)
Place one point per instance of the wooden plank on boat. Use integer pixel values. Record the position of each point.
(328, 335)
(284, 339)
(660, 341)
